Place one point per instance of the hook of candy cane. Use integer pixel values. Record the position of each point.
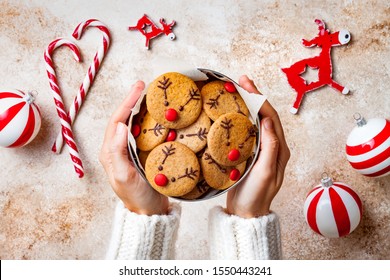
(64, 118)
(88, 80)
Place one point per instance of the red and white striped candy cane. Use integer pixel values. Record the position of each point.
(88, 80)
(65, 120)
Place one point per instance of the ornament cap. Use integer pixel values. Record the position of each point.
(360, 121)
(30, 96)
(326, 181)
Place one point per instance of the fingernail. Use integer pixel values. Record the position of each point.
(268, 124)
(119, 128)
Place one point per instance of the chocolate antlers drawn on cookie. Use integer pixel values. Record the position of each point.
(251, 133)
(168, 151)
(164, 85)
(238, 105)
(213, 102)
(227, 124)
(202, 134)
(157, 129)
(194, 95)
(202, 186)
(212, 161)
(192, 174)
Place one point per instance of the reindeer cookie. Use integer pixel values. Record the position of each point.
(195, 135)
(172, 169)
(220, 98)
(174, 100)
(231, 139)
(218, 176)
(201, 188)
(147, 132)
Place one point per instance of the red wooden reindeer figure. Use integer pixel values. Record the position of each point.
(322, 62)
(145, 23)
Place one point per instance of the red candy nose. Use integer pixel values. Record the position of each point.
(234, 155)
(161, 180)
(171, 135)
(229, 86)
(136, 130)
(234, 174)
(171, 115)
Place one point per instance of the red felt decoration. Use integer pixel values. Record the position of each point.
(322, 63)
(150, 30)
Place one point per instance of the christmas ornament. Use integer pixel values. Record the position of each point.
(64, 117)
(90, 76)
(322, 63)
(332, 209)
(150, 30)
(20, 118)
(368, 146)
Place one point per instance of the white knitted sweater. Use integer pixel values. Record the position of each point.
(141, 237)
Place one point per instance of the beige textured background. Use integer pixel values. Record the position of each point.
(48, 213)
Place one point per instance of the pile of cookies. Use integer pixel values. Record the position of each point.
(192, 137)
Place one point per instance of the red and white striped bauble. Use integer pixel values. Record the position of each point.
(368, 147)
(20, 119)
(332, 209)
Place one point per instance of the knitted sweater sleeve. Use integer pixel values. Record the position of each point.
(233, 237)
(142, 237)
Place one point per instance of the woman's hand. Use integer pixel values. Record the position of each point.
(125, 180)
(253, 197)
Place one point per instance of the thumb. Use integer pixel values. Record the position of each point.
(118, 151)
(269, 145)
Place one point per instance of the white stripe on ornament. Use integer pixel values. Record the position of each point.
(367, 132)
(370, 154)
(324, 216)
(375, 168)
(309, 200)
(352, 207)
(7, 103)
(15, 127)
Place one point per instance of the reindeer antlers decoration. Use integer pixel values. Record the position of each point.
(150, 30)
(322, 63)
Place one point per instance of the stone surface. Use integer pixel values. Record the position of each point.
(48, 213)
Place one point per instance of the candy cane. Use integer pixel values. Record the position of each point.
(88, 80)
(65, 120)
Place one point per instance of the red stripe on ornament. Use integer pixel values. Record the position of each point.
(9, 95)
(9, 114)
(371, 144)
(316, 188)
(372, 161)
(354, 195)
(27, 132)
(312, 211)
(340, 213)
(379, 173)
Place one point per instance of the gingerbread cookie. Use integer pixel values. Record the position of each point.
(220, 98)
(172, 169)
(218, 176)
(174, 100)
(195, 135)
(231, 139)
(147, 132)
(200, 189)
(142, 157)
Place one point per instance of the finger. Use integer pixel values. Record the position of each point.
(123, 112)
(119, 155)
(268, 157)
(266, 109)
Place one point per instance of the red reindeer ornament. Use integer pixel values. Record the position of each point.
(322, 63)
(150, 30)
